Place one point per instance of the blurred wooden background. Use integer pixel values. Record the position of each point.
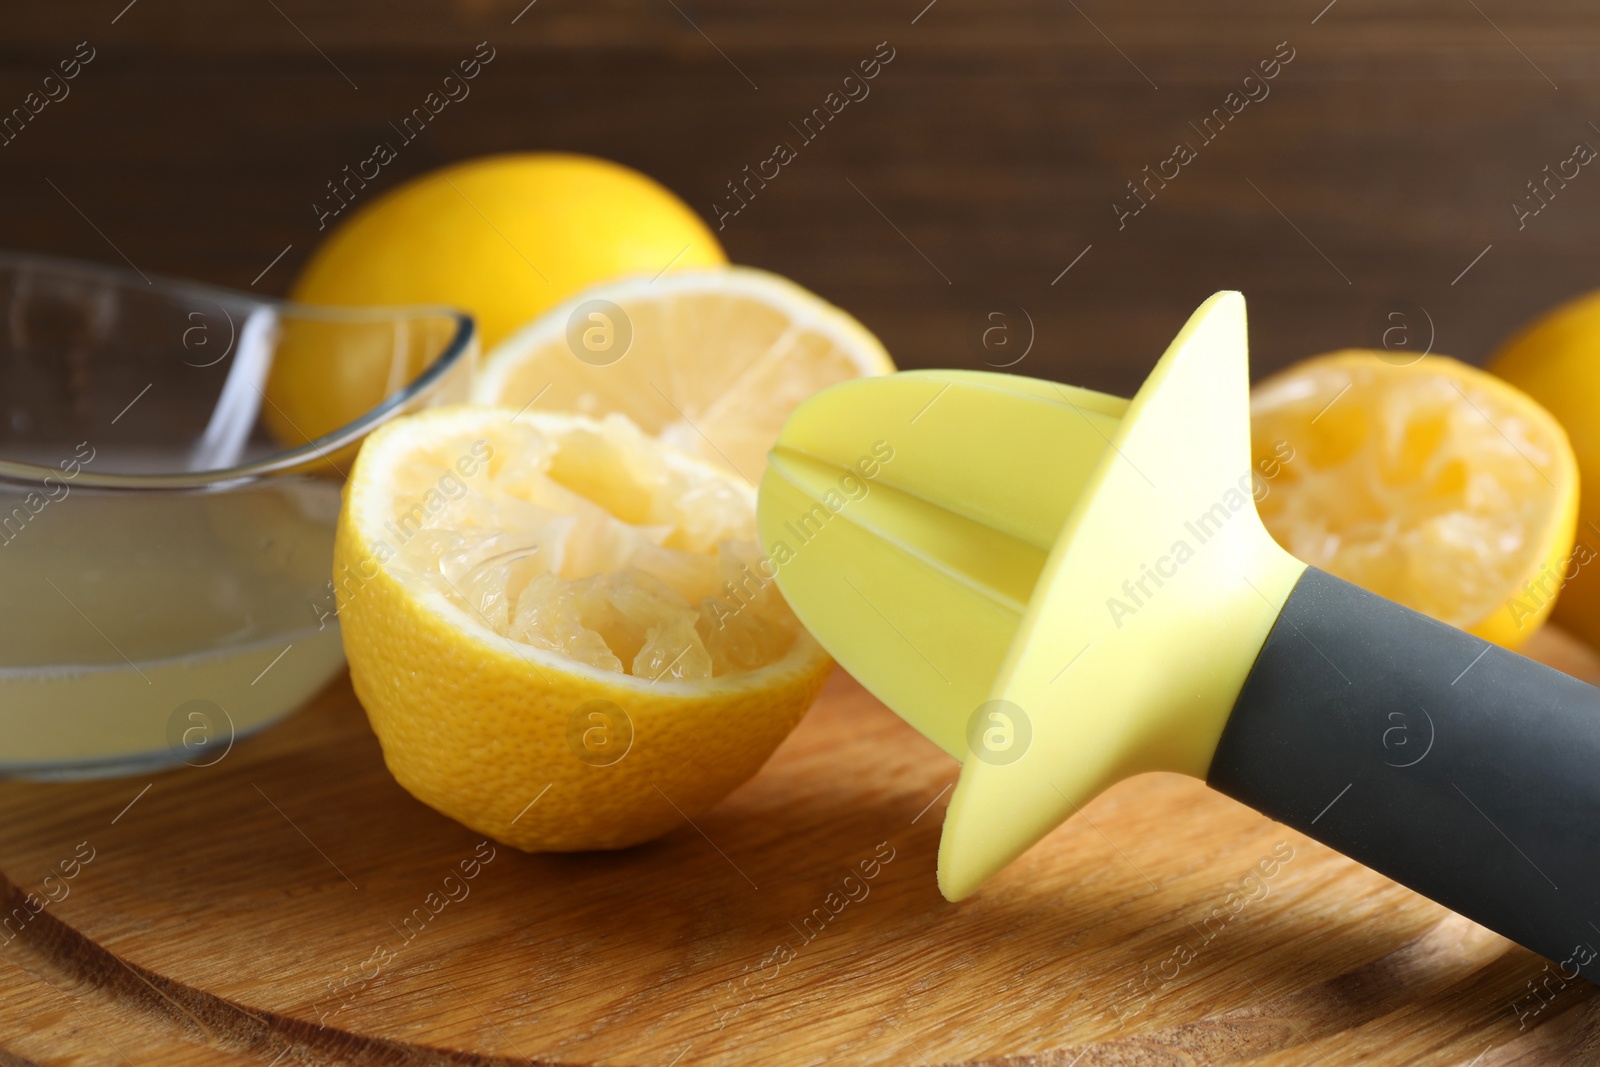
(1385, 159)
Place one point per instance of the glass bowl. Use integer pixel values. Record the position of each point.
(170, 465)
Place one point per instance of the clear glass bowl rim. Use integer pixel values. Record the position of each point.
(296, 459)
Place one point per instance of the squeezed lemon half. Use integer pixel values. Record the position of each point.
(711, 361)
(563, 631)
(1431, 483)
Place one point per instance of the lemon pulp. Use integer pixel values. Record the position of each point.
(1433, 484)
(560, 628)
(601, 551)
(710, 361)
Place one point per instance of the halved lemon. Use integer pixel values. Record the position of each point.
(1431, 483)
(562, 631)
(711, 361)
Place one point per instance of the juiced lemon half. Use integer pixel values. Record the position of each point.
(563, 631)
(711, 361)
(1426, 481)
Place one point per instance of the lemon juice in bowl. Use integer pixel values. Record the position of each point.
(165, 543)
(149, 629)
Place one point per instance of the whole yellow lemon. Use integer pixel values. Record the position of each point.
(505, 237)
(1556, 360)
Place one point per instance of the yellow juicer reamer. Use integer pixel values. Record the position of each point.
(1062, 588)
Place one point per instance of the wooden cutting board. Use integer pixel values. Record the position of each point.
(292, 905)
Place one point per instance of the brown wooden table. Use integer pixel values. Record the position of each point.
(1375, 174)
(290, 904)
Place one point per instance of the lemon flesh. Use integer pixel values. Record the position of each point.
(711, 361)
(1433, 484)
(558, 611)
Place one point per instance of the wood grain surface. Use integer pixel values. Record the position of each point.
(290, 904)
